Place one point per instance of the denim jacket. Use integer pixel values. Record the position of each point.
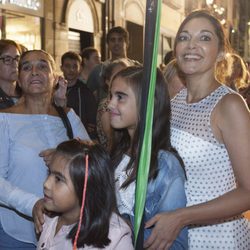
(166, 193)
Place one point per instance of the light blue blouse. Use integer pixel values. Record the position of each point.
(22, 171)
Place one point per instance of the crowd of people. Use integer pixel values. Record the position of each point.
(69, 152)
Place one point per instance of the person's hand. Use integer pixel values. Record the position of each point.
(47, 155)
(38, 215)
(60, 98)
(166, 229)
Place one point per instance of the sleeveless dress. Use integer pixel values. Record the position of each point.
(209, 170)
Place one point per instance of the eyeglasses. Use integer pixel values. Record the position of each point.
(8, 60)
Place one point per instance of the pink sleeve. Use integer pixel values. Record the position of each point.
(124, 242)
(120, 234)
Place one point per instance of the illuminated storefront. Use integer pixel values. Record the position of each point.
(21, 20)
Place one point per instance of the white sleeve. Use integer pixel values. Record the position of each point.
(16, 198)
(77, 126)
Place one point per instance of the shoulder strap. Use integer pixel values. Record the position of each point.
(65, 120)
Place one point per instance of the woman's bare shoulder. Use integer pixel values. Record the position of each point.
(231, 104)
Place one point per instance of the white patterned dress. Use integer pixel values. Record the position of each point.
(209, 170)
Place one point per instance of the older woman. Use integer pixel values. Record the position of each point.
(26, 129)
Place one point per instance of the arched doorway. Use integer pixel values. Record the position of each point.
(81, 25)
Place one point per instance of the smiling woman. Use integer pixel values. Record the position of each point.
(210, 128)
(27, 128)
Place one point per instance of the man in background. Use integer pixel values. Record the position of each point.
(117, 41)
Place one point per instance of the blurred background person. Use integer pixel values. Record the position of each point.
(174, 81)
(169, 56)
(232, 71)
(90, 58)
(9, 57)
(118, 42)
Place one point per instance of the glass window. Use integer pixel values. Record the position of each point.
(22, 28)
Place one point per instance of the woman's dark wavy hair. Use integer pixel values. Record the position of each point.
(100, 195)
(161, 124)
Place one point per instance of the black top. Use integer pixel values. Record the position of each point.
(5, 100)
(83, 102)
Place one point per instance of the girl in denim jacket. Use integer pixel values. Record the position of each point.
(165, 190)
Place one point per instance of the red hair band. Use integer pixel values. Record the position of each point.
(83, 202)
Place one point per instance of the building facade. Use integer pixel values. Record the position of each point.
(61, 25)
(235, 16)
(22, 21)
(80, 23)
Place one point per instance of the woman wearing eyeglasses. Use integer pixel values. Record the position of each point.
(9, 56)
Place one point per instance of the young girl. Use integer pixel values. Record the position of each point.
(80, 190)
(104, 130)
(166, 177)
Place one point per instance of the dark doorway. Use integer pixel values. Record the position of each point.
(79, 40)
(135, 50)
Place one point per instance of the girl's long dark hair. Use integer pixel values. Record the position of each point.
(122, 143)
(100, 195)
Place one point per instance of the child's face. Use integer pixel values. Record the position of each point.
(122, 106)
(59, 192)
(71, 69)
